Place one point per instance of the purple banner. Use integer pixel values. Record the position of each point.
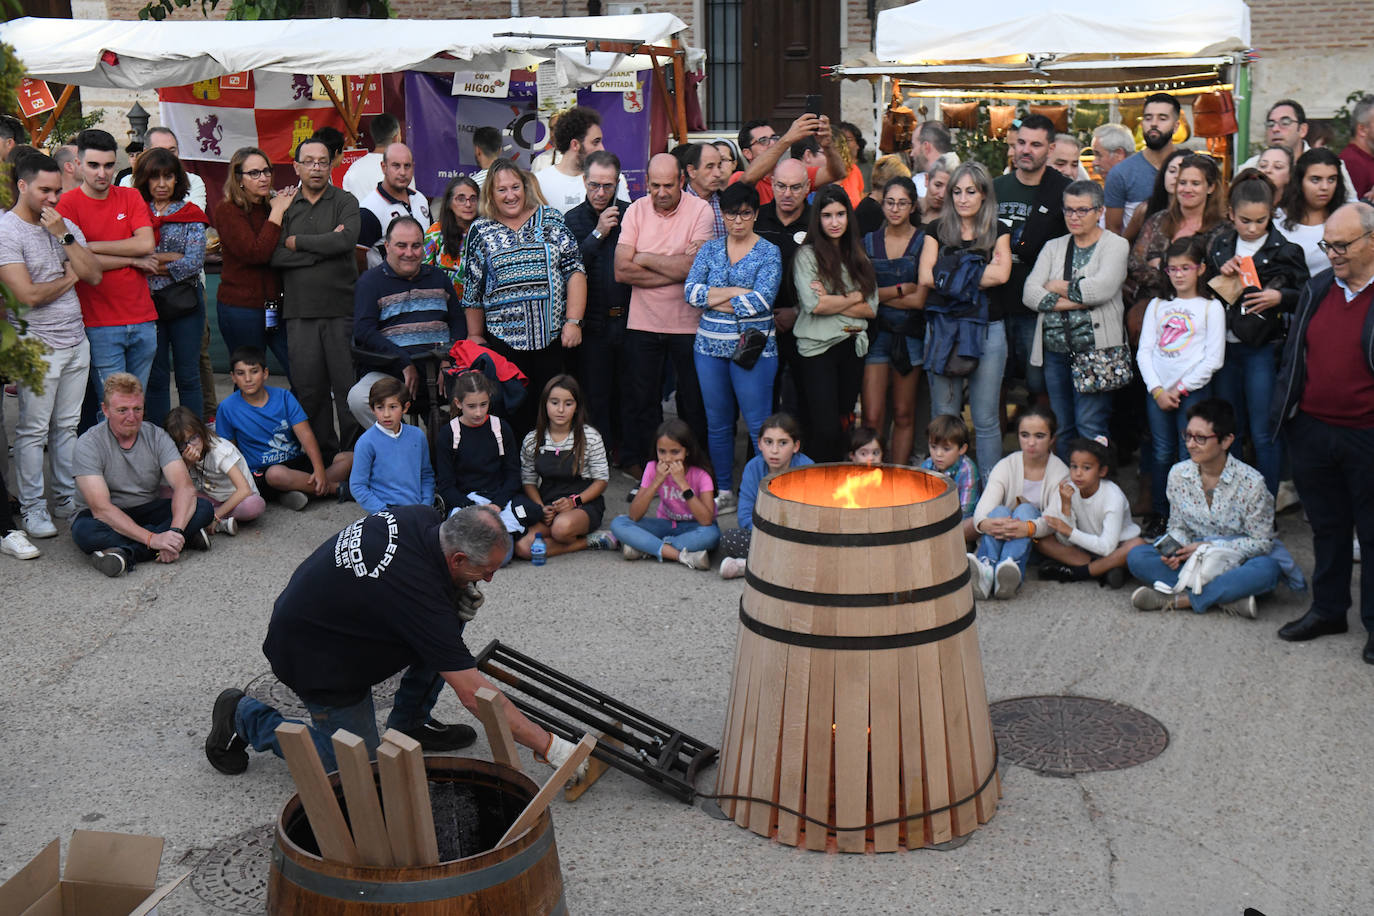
(439, 127)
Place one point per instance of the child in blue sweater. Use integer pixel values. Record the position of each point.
(391, 460)
(947, 437)
(779, 450)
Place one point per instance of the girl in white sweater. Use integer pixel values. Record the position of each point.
(1182, 342)
(1092, 526)
(1010, 513)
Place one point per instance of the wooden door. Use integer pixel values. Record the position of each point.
(784, 48)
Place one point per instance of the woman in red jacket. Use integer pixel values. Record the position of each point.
(249, 224)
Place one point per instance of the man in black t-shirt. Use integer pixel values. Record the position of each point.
(383, 596)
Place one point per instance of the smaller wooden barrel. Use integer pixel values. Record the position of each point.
(858, 697)
(520, 879)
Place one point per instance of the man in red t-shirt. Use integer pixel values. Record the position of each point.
(121, 322)
(762, 149)
(1324, 406)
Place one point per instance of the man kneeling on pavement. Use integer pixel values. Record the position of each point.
(391, 592)
(121, 467)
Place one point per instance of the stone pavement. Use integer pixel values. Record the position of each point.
(106, 688)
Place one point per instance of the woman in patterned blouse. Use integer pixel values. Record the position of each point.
(523, 282)
(734, 281)
(444, 240)
(179, 226)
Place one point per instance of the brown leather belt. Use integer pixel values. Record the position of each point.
(615, 313)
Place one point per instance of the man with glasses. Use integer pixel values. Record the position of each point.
(121, 322)
(705, 177)
(762, 149)
(1286, 125)
(1030, 202)
(1214, 498)
(1324, 408)
(1130, 184)
(319, 232)
(603, 358)
(783, 222)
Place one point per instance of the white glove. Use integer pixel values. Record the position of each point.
(469, 600)
(557, 754)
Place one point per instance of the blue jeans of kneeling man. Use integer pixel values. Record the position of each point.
(1018, 549)
(91, 534)
(256, 722)
(648, 535)
(1256, 576)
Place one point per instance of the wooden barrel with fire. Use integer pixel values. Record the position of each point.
(858, 698)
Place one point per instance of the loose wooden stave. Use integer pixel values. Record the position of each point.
(932, 715)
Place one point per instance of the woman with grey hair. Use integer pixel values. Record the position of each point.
(1080, 334)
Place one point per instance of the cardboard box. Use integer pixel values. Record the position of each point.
(108, 874)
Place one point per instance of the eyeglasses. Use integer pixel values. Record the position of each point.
(312, 164)
(1285, 123)
(255, 173)
(791, 188)
(896, 204)
(1339, 248)
(765, 141)
(1079, 212)
(189, 442)
(1182, 268)
(600, 186)
(465, 198)
(1198, 438)
(739, 215)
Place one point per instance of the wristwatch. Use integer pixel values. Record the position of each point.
(68, 239)
(575, 322)
(180, 531)
(689, 493)
(596, 233)
(577, 499)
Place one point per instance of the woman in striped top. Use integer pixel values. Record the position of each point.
(734, 281)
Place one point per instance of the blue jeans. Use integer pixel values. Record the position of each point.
(648, 535)
(1020, 340)
(1079, 415)
(1247, 379)
(242, 327)
(182, 336)
(1018, 549)
(1255, 576)
(1166, 441)
(984, 394)
(723, 384)
(256, 722)
(91, 534)
(122, 348)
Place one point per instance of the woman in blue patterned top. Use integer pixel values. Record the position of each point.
(179, 227)
(734, 281)
(525, 289)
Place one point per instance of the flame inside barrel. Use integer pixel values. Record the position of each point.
(855, 490)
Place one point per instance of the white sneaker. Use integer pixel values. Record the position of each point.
(17, 545)
(1008, 579)
(229, 526)
(980, 577)
(631, 553)
(1146, 598)
(39, 524)
(1287, 497)
(726, 503)
(732, 567)
(694, 559)
(294, 500)
(65, 509)
(1246, 607)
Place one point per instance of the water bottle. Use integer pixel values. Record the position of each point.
(272, 314)
(540, 551)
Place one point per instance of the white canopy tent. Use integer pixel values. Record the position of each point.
(150, 55)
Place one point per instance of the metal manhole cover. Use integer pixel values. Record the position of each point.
(267, 689)
(1061, 736)
(233, 875)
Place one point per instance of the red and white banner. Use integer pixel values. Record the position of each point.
(35, 97)
(272, 111)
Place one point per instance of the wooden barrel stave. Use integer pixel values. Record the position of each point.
(910, 725)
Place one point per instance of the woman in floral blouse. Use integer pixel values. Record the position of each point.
(524, 286)
(734, 281)
(444, 240)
